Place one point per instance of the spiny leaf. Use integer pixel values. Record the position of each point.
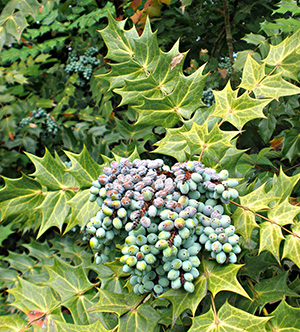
(178, 104)
(257, 200)
(284, 55)
(65, 327)
(119, 42)
(82, 209)
(253, 73)
(285, 318)
(40, 251)
(275, 87)
(270, 238)
(222, 278)
(273, 289)
(51, 173)
(84, 169)
(54, 210)
(29, 297)
(71, 282)
(254, 79)
(244, 221)
(8, 277)
(110, 281)
(182, 300)
(256, 265)
(283, 213)
(211, 145)
(13, 323)
(20, 262)
(5, 232)
(174, 144)
(140, 319)
(230, 319)
(282, 186)
(117, 303)
(291, 247)
(237, 110)
(20, 196)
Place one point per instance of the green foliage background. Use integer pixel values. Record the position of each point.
(138, 105)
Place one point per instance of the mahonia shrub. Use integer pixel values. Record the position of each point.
(52, 284)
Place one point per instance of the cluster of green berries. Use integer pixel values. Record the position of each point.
(41, 117)
(162, 217)
(225, 64)
(83, 64)
(208, 97)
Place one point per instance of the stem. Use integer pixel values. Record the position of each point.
(216, 42)
(201, 154)
(228, 30)
(214, 310)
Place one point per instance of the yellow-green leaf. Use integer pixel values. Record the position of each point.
(237, 110)
(228, 319)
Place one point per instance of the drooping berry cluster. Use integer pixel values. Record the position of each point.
(83, 64)
(162, 216)
(40, 117)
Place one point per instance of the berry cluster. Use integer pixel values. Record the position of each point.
(83, 65)
(47, 123)
(208, 97)
(225, 64)
(162, 217)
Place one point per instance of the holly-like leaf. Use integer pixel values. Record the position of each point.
(140, 319)
(119, 42)
(110, 281)
(20, 262)
(210, 145)
(273, 289)
(291, 247)
(31, 297)
(285, 318)
(282, 186)
(237, 110)
(257, 200)
(13, 323)
(254, 79)
(244, 221)
(227, 319)
(54, 210)
(275, 87)
(270, 238)
(285, 57)
(84, 169)
(256, 265)
(283, 213)
(291, 145)
(182, 300)
(71, 282)
(222, 278)
(20, 196)
(82, 209)
(65, 327)
(117, 303)
(174, 144)
(5, 232)
(253, 73)
(51, 173)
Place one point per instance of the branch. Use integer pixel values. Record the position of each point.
(228, 30)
